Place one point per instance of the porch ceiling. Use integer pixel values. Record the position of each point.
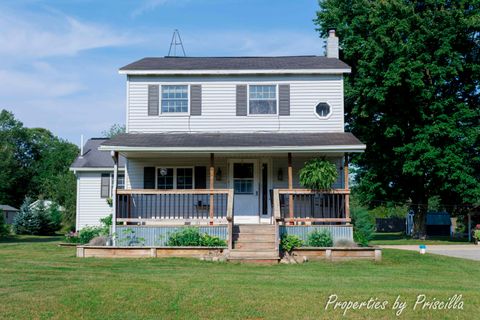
(235, 142)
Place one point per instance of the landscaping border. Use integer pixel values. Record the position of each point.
(339, 253)
(85, 251)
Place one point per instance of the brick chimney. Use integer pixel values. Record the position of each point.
(332, 44)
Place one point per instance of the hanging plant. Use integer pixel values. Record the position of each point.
(318, 174)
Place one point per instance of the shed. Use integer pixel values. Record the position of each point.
(8, 212)
(438, 224)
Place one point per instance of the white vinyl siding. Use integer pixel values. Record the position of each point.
(91, 206)
(219, 105)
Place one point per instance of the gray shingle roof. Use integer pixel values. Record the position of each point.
(203, 140)
(236, 63)
(94, 158)
(7, 207)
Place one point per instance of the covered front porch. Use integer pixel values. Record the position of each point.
(234, 184)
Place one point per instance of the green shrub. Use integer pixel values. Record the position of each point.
(318, 174)
(88, 233)
(131, 238)
(363, 226)
(192, 237)
(320, 238)
(4, 229)
(106, 224)
(212, 241)
(38, 220)
(290, 242)
(476, 234)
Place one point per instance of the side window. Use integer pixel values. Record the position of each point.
(105, 185)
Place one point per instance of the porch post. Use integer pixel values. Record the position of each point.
(346, 187)
(212, 179)
(290, 187)
(114, 193)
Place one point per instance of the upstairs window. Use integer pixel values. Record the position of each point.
(175, 99)
(323, 109)
(262, 99)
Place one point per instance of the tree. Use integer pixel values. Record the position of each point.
(35, 163)
(412, 97)
(114, 130)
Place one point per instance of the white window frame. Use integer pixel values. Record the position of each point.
(328, 115)
(173, 114)
(262, 114)
(175, 176)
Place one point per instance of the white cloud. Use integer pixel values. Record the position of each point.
(41, 81)
(52, 35)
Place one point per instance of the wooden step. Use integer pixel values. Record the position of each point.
(254, 228)
(253, 254)
(252, 245)
(253, 237)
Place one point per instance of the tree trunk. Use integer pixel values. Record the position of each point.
(419, 228)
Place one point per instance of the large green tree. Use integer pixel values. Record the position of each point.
(412, 97)
(35, 163)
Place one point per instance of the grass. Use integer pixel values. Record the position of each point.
(392, 238)
(40, 280)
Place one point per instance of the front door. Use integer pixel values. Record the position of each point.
(244, 181)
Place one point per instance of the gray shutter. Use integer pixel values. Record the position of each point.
(241, 99)
(200, 177)
(149, 178)
(153, 99)
(284, 100)
(195, 100)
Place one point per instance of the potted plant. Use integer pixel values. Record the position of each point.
(318, 174)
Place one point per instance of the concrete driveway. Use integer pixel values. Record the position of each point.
(465, 251)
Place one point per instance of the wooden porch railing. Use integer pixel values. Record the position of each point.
(174, 206)
(305, 205)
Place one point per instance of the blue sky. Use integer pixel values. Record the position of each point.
(60, 57)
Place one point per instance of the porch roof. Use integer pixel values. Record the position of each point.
(235, 142)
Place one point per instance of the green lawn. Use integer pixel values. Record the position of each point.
(392, 238)
(40, 280)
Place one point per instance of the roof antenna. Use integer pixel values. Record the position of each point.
(176, 42)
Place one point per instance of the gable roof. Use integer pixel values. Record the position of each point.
(236, 65)
(7, 207)
(232, 142)
(93, 158)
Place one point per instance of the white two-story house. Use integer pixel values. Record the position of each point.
(216, 139)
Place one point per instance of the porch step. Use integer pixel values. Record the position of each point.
(254, 228)
(256, 254)
(254, 243)
(242, 237)
(249, 245)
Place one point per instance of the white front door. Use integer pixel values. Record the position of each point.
(244, 181)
